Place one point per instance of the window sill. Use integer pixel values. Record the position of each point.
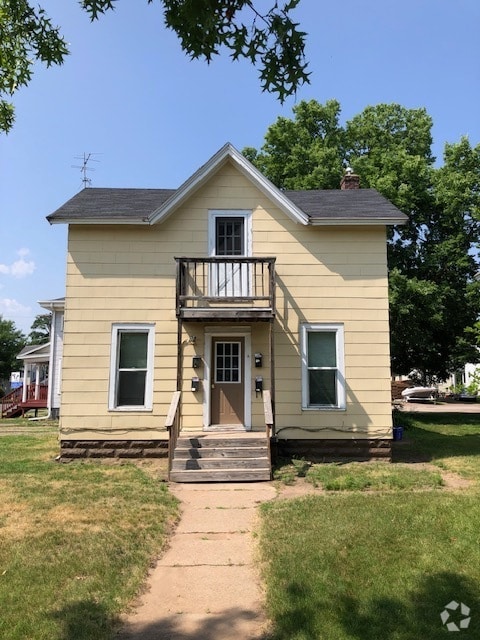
(130, 409)
(336, 409)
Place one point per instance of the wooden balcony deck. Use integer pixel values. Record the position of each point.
(225, 288)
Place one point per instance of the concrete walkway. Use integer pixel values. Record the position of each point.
(207, 585)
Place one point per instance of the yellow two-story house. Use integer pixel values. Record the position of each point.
(224, 317)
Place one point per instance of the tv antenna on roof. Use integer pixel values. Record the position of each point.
(86, 158)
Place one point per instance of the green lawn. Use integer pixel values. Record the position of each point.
(75, 540)
(379, 564)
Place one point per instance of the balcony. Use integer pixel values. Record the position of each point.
(225, 288)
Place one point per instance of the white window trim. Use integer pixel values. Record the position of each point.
(117, 327)
(338, 328)
(213, 214)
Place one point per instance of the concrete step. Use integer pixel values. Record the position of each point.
(220, 475)
(220, 463)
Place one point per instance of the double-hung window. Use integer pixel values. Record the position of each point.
(323, 375)
(131, 367)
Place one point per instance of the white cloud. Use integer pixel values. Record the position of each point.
(11, 309)
(21, 268)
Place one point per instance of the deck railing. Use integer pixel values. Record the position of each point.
(206, 282)
(36, 395)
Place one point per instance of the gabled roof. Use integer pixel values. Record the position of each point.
(152, 206)
(35, 352)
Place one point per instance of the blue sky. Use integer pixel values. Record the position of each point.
(129, 94)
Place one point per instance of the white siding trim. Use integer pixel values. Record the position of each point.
(140, 327)
(213, 214)
(338, 328)
(199, 178)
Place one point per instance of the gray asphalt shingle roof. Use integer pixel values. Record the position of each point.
(138, 204)
(353, 204)
(107, 203)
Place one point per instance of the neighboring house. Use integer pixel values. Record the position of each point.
(41, 380)
(222, 295)
(57, 309)
(33, 392)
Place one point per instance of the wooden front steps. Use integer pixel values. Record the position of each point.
(221, 457)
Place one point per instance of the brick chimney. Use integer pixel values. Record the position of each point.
(350, 180)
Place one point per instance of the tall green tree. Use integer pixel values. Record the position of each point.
(306, 152)
(268, 38)
(12, 342)
(40, 329)
(433, 262)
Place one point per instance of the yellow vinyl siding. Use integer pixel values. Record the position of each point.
(126, 274)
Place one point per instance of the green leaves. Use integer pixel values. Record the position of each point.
(306, 152)
(434, 296)
(11, 343)
(271, 40)
(26, 35)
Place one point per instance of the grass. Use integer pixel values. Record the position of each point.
(358, 476)
(449, 441)
(379, 564)
(75, 540)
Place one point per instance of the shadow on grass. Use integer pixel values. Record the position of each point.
(86, 620)
(415, 617)
(384, 618)
(422, 443)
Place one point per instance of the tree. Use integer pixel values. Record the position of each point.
(40, 329)
(12, 342)
(304, 153)
(434, 291)
(269, 39)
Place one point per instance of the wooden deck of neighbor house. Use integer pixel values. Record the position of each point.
(13, 404)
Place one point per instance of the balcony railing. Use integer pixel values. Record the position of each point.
(228, 287)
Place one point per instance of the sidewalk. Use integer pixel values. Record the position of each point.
(206, 586)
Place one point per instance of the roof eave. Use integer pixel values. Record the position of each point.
(33, 352)
(323, 222)
(53, 305)
(99, 221)
(201, 176)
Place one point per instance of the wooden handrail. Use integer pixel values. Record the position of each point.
(269, 422)
(172, 423)
(11, 400)
(267, 409)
